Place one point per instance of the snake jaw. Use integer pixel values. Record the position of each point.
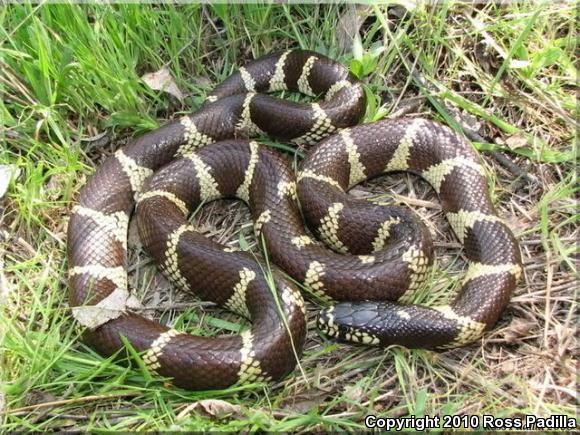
(336, 327)
(326, 324)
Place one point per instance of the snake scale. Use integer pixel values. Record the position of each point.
(378, 257)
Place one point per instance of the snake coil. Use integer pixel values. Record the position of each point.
(378, 254)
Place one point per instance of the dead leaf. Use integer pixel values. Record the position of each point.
(113, 306)
(302, 403)
(54, 186)
(162, 80)
(7, 173)
(202, 81)
(349, 24)
(518, 63)
(37, 396)
(211, 408)
(509, 366)
(516, 141)
(353, 392)
(517, 330)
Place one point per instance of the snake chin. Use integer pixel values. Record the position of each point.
(333, 322)
(325, 323)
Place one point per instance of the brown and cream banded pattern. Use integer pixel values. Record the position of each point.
(451, 166)
(377, 254)
(97, 233)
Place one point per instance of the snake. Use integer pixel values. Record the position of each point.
(366, 260)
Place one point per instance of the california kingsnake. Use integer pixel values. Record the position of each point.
(168, 173)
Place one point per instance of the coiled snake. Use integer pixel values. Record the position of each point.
(379, 254)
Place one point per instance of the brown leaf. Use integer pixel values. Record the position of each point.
(162, 80)
(516, 141)
(37, 396)
(349, 25)
(212, 408)
(113, 306)
(517, 330)
(303, 403)
(202, 81)
(353, 392)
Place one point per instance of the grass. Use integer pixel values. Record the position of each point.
(504, 75)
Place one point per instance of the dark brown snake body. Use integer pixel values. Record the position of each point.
(379, 254)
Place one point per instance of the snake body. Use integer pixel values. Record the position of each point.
(378, 254)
